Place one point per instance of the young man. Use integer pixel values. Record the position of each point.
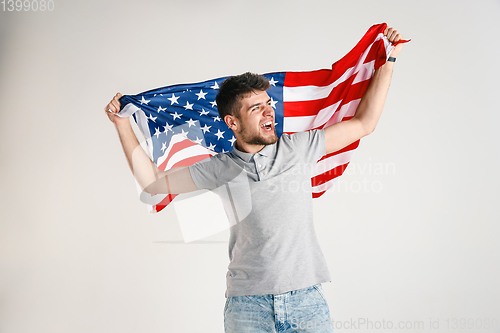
(276, 264)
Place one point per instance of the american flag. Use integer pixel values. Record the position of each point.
(181, 124)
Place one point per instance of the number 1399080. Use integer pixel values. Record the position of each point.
(27, 5)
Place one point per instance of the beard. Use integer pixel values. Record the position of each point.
(257, 138)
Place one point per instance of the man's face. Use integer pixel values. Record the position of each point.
(256, 119)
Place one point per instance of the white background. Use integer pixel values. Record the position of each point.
(410, 235)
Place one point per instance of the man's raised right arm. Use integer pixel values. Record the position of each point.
(150, 179)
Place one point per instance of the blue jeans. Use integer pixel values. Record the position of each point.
(303, 310)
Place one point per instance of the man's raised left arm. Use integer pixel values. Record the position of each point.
(341, 134)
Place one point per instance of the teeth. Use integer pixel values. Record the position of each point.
(265, 124)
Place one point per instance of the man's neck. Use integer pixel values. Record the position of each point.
(248, 148)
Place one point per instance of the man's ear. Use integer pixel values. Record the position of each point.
(231, 122)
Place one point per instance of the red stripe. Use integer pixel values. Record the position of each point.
(311, 108)
(191, 160)
(328, 175)
(168, 199)
(185, 162)
(345, 91)
(346, 118)
(186, 143)
(356, 91)
(318, 194)
(335, 172)
(326, 77)
(350, 147)
(377, 53)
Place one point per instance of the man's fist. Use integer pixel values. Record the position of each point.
(394, 36)
(113, 108)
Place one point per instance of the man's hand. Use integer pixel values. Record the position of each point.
(113, 108)
(150, 179)
(394, 36)
(341, 134)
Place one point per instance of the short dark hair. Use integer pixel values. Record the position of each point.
(233, 89)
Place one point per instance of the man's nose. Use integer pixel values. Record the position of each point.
(268, 110)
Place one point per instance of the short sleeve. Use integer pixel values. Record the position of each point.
(310, 144)
(205, 173)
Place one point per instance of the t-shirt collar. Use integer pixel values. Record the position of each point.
(247, 157)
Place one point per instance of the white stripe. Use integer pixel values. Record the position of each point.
(325, 117)
(173, 140)
(155, 199)
(187, 153)
(388, 47)
(308, 93)
(151, 199)
(128, 110)
(365, 73)
(142, 123)
(325, 186)
(184, 153)
(332, 162)
(306, 123)
(347, 110)
(329, 184)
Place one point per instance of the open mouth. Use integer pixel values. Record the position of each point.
(267, 126)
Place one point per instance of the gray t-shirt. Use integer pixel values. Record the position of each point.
(267, 196)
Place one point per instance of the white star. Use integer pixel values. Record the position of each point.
(173, 99)
(198, 141)
(184, 134)
(219, 134)
(188, 106)
(215, 86)
(161, 109)
(152, 118)
(212, 146)
(203, 112)
(216, 118)
(223, 151)
(273, 103)
(143, 101)
(214, 103)
(168, 127)
(191, 122)
(157, 133)
(232, 140)
(201, 94)
(176, 115)
(206, 128)
(163, 146)
(272, 82)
